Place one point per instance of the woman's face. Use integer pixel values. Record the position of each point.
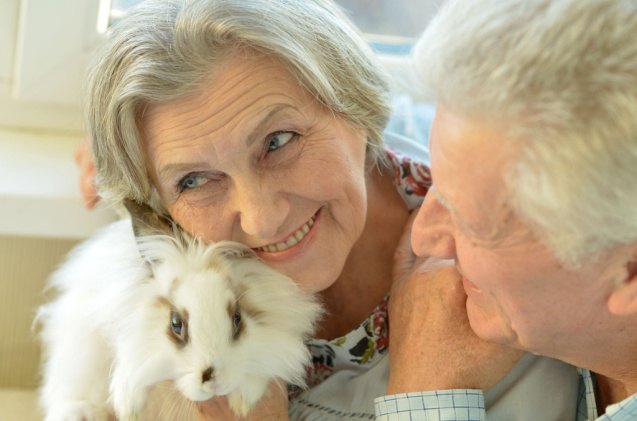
(254, 158)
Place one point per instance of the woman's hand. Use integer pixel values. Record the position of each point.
(272, 407)
(84, 160)
(432, 346)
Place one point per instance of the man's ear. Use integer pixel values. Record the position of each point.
(623, 300)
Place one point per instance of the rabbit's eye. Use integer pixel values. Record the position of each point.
(176, 324)
(178, 327)
(236, 323)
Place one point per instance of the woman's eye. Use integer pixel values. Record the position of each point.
(279, 139)
(190, 182)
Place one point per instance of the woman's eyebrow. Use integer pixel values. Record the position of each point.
(168, 171)
(264, 122)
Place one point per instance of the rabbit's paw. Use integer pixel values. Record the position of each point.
(238, 404)
(127, 397)
(75, 411)
(127, 414)
(128, 406)
(242, 400)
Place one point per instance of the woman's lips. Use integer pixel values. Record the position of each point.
(292, 242)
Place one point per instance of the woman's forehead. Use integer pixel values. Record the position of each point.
(237, 93)
(235, 77)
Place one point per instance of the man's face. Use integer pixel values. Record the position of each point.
(518, 293)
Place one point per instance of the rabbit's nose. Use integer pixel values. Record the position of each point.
(206, 375)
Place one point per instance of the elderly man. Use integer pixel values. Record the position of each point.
(534, 163)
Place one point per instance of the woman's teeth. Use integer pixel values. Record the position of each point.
(292, 239)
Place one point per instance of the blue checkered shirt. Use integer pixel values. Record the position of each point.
(468, 405)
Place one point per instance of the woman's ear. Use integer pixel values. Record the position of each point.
(623, 300)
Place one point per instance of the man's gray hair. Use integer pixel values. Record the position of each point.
(560, 77)
(164, 50)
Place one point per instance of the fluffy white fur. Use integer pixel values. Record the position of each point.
(107, 337)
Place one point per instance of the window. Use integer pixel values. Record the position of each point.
(54, 41)
(45, 46)
(112, 10)
(390, 25)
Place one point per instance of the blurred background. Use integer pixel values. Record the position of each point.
(44, 48)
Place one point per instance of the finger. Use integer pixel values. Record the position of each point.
(82, 152)
(77, 155)
(84, 160)
(214, 408)
(88, 190)
(91, 201)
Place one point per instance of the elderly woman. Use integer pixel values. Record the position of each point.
(534, 163)
(262, 122)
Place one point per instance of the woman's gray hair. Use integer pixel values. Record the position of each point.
(559, 77)
(165, 49)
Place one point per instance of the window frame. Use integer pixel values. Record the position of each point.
(53, 45)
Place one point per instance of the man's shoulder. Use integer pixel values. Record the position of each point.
(625, 410)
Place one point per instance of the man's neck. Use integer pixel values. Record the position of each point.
(609, 391)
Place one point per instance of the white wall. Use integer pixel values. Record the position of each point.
(40, 126)
(41, 211)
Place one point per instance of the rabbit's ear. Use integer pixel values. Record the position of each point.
(147, 224)
(146, 221)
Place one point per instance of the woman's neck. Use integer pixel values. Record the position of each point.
(366, 277)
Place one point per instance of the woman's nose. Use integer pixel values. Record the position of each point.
(261, 210)
(432, 231)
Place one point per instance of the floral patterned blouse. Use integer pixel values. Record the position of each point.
(363, 346)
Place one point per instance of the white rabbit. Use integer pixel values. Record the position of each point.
(137, 309)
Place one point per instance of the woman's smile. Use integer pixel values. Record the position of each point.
(291, 246)
(291, 240)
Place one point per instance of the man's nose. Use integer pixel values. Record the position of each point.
(432, 233)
